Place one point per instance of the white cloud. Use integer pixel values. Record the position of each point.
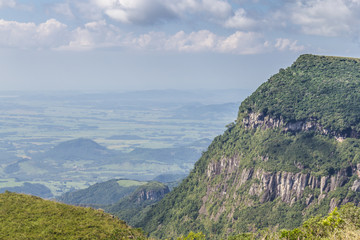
(154, 11)
(239, 20)
(28, 35)
(53, 34)
(284, 44)
(244, 43)
(204, 40)
(326, 17)
(7, 3)
(138, 11)
(93, 35)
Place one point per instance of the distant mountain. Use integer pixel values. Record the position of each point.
(168, 178)
(81, 148)
(292, 153)
(29, 217)
(101, 193)
(30, 188)
(201, 111)
(171, 180)
(125, 137)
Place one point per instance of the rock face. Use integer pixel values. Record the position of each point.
(287, 186)
(259, 120)
(153, 195)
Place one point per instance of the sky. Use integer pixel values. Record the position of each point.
(120, 45)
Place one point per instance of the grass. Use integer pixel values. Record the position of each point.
(28, 217)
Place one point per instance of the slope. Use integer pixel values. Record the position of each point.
(292, 153)
(29, 217)
(133, 208)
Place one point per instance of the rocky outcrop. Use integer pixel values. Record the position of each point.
(259, 120)
(150, 195)
(287, 186)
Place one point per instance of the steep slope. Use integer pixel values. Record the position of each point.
(29, 217)
(292, 153)
(133, 208)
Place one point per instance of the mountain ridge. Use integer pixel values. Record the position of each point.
(274, 169)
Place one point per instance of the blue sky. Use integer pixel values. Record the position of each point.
(166, 44)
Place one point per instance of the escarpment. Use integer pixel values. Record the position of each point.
(286, 186)
(152, 195)
(259, 120)
(294, 152)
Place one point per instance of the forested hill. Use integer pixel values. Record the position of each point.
(292, 153)
(315, 89)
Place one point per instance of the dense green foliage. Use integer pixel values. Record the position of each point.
(274, 150)
(322, 89)
(325, 89)
(100, 193)
(29, 217)
(339, 224)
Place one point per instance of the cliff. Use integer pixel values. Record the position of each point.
(133, 207)
(292, 153)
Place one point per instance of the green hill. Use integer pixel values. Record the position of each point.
(28, 217)
(101, 193)
(292, 153)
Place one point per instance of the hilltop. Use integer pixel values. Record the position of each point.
(292, 153)
(24, 216)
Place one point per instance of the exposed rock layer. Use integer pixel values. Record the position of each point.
(287, 186)
(259, 120)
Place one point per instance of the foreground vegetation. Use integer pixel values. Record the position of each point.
(339, 224)
(29, 217)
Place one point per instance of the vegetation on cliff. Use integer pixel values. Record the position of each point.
(319, 88)
(134, 207)
(246, 179)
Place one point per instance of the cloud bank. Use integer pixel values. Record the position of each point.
(223, 26)
(53, 34)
